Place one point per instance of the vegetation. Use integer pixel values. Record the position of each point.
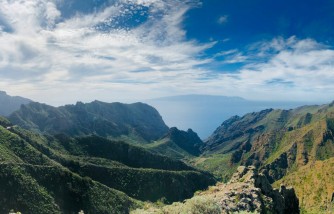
(93, 170)
(292, 147)
(138, 121)
(178, 144)
(195, 205)
(217, 164)
(314, 185)
(66, 175)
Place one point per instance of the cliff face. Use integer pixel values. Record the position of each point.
(178, 144)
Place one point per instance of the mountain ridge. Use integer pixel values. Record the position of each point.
(9, 104)
(178, 144)
(140, 121)
(280, 143)
(204, 113)
(90, 173)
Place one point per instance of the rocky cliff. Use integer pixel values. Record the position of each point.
(178, 144)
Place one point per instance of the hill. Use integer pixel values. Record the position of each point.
(178, 144)
(91, 173)
(281, 143)
(9, 104)
(133, 122)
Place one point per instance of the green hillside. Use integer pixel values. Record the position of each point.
(136, 122)
(26, 174)
(65, 175)
(283, 144)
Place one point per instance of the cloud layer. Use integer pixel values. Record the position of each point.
(59, 51)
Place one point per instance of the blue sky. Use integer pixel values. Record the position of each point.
(59, 52)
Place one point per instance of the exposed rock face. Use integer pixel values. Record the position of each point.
(189, 140)
(277, 169)
(235, 128)
(251, 192)
(247, 192)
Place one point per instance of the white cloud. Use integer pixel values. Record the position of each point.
(47, 52)
(58, 60)
(296, 70)
(222, 19)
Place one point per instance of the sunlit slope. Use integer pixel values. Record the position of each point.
(284, 144)
(33, 183)
(89, 173)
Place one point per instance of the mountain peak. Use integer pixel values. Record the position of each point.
(9, 104)
(188, 141)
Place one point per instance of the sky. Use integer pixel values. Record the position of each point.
(63, 51)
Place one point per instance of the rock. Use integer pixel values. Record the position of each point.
(250, 191)
(247, 192)
(291, 201)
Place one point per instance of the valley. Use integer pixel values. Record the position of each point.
(166, 107)
(113, 158)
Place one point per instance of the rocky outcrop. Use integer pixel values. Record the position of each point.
(277, 169)
(188, 141)
(234, 128)
(247, 192)
(250, 191)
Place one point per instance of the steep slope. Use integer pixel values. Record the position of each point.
(138, 121)
(280, 143)
(90, 173)
(314, 183)
(9, 104)
(26, 174)
(247, 192)
(178, 144)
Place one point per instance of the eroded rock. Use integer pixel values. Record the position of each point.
(250, 191)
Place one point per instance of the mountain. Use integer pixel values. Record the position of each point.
(138, 122)
(288, 146)
(9, 104)
(31, 182)
(178, 144)
(63, 174)
(204, 113)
